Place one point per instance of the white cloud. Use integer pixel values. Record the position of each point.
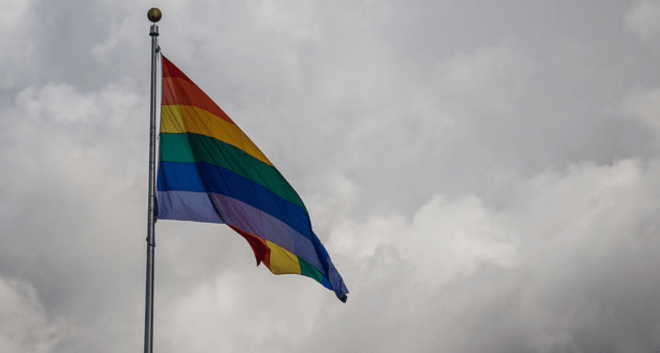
(560, 267)
(465, 172)
(24, 323)
(644, 20)
(16, 43)
(68, 209)
(444, 239)
(112, 105)
(645, 105)
(495, 76)
(297, 19)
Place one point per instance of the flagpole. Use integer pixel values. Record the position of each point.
(154, 16)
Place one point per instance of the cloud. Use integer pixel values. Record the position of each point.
(644, 20)
(17, 26)
(444, 239)
(450, 119)
(569, 265)
(482, 175)
(69, 207)
(645, 106)
(24, 324)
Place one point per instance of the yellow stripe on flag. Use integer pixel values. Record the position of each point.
(185, 118)
(282, 261)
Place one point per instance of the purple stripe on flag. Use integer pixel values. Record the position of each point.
(186, 206)
(262, 224)
(197, 206)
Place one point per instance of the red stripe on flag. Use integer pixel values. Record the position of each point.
(179, 89)
(261, 250)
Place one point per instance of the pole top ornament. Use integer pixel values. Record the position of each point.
(154, 14)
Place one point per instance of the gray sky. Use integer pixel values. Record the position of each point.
(485, 175)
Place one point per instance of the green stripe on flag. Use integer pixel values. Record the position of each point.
(190, 148)
(308, 270)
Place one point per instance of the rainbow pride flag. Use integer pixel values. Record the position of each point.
(210, 171)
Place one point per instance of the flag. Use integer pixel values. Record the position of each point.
(210, 171)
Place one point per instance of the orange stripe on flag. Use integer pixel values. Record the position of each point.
(177, 90)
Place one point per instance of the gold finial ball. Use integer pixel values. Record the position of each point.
(154, 14)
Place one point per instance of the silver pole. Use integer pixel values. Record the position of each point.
(154, 16)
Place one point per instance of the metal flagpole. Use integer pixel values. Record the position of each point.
(154, 16)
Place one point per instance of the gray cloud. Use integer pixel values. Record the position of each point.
(483, 174)
(642, 20)
(25, 325)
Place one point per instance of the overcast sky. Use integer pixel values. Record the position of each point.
(485, 175)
